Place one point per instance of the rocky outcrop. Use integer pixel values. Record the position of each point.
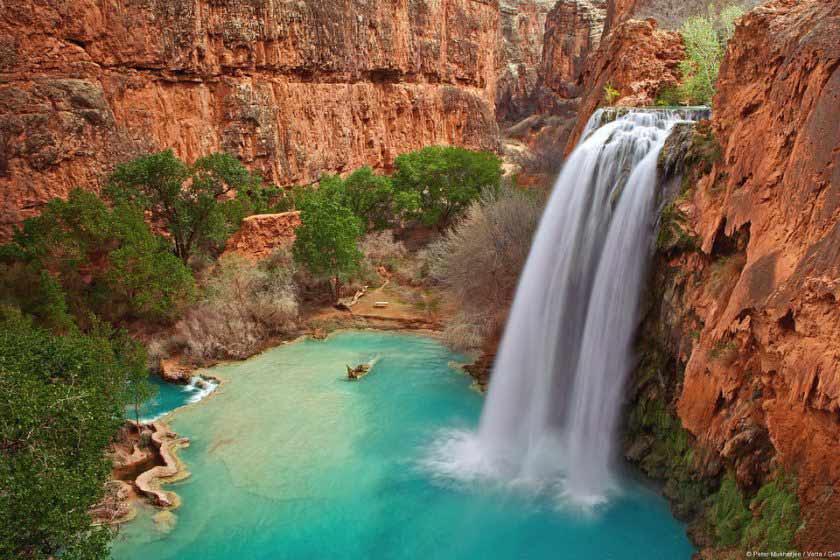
(777, 117)
(743, 341)
(262, 234)
(294, 89)
(637, 60)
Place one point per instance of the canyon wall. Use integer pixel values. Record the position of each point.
(521, 33)
(742, 341)
(294, 89)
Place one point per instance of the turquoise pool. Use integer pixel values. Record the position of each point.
(292, 461)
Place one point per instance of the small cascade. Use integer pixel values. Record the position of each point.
(554, 403)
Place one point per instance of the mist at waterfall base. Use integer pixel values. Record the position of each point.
(551, 419)
(289, 460)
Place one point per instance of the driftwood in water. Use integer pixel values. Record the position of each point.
(346, 303)
(358, 372)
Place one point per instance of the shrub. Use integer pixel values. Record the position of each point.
(381, 249)
(437, 184)
(244, 305)
(705, 44)
(610, 94)
(480, 260)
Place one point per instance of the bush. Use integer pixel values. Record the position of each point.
(610, 95)
(705, 44)
(381, 249)
(244, 305)
(437, 184)
(480, 260)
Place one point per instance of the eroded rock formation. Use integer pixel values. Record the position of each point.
(261, 235)
(519, 86)
(636, 59)
(293, 89)
(746, 322)
(777, 116)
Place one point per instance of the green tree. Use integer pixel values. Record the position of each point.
(436, 184)
(199, 205)
(61, 401)
(705, 44)
(80, 257)
(326, 240)
(368, 195)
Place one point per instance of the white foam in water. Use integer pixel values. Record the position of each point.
(198, 388)
(552, 411)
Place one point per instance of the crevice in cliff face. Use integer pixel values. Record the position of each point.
(787, 323)
(728, 245)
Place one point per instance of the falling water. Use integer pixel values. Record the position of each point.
(554, 403)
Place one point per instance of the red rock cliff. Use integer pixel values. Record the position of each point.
(761, 386)
(292, 88)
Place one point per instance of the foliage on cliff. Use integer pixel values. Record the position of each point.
(768, 522)
(705, 44)
(61, 400)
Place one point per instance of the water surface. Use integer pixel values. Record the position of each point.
(291, 461)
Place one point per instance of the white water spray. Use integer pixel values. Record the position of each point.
(552, 411)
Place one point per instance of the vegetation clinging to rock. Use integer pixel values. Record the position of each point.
(705, 44)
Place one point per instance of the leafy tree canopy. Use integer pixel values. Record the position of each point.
(79, 257)
(199, 205)
(326, 240)
(436, 184)
(61, 400)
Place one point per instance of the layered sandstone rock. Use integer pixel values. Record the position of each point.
(262, 234)
(294, 89)
(573, 32)
(749, 306)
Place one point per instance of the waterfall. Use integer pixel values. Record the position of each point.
(555, 398)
